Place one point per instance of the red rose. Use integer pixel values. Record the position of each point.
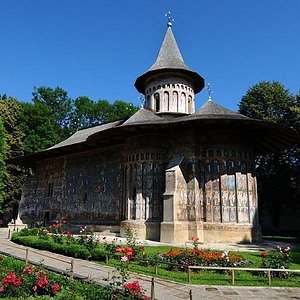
(18, 281)
(263, 254)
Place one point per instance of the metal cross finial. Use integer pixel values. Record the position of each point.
(170, 19)
(209, 90)
(142, 99)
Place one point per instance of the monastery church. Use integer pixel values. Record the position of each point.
(168, 171)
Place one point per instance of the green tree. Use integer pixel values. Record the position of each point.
(2, 161)
(276, 172)
(121, 109)
(47, 120)
(37, 125)
(14, 175)
(88, 112)
(59, 106)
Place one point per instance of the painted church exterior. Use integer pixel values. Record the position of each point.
(167, 171)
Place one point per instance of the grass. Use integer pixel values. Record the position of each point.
(211, 277)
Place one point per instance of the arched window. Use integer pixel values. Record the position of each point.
(229, 167)
(166, 101)
(181, 103)
(190, 104)
(241, 167)
(173, 102)
(157, 102)
(175, 96)
(214, 169)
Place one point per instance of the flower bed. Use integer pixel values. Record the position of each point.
(142, 259)
(20, 281)
(198, 257)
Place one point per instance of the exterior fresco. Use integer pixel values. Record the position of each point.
(78, 189)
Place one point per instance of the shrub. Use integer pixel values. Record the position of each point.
(99, 254)
(277, 259)
(74, 250)
(30, 231)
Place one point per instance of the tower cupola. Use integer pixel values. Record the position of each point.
(169, 86)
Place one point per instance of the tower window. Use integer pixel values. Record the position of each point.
(175, 96)
(50, 189)
(157, 102)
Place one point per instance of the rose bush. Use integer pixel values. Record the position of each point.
(28, 282)
(277, 259)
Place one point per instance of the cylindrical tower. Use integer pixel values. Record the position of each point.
(170, 85)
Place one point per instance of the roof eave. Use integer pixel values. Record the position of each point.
(198, 80)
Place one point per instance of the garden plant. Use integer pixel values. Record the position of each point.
(162, 261)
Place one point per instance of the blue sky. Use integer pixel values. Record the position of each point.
(98, 48)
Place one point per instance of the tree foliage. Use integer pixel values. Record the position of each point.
(278, 173)
(2, 161)
(53, 116)
(88, 112)
(13, 175)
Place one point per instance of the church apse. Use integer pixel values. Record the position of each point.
(212, 195)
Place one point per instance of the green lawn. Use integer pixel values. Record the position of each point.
(211, 277)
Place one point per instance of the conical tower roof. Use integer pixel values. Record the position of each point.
(169, 59)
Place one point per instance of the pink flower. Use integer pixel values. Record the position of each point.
(43, 282)
(12, 279)
(28, 270)
(55, 288)
(9, 279)
(124, 258)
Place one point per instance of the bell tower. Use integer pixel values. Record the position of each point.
(169, 86)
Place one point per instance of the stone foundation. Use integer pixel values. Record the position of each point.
(138, 228)
(180, 232)
(231, 233)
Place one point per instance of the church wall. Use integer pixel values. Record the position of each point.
(215, 187)
(82, 189)
(144, 184)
